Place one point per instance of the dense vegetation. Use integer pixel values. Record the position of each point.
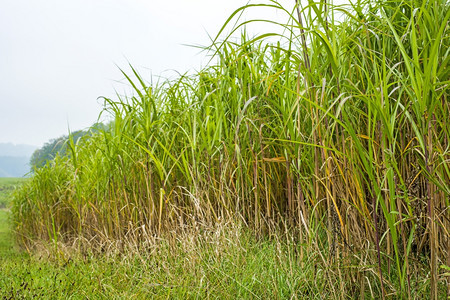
(334, 141)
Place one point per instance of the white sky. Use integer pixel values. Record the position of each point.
(58, 56)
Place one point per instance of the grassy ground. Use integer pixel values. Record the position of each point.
(223, 265)
(7, 185)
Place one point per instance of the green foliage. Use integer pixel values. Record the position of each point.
(341, 129)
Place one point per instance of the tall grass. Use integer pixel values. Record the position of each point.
(337, 135)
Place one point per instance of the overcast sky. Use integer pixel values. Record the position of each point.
(58, 56)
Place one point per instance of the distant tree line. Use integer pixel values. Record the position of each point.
(60, 146)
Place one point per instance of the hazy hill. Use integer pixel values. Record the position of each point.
(19, 150)
(14, 159)
(11, 166)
